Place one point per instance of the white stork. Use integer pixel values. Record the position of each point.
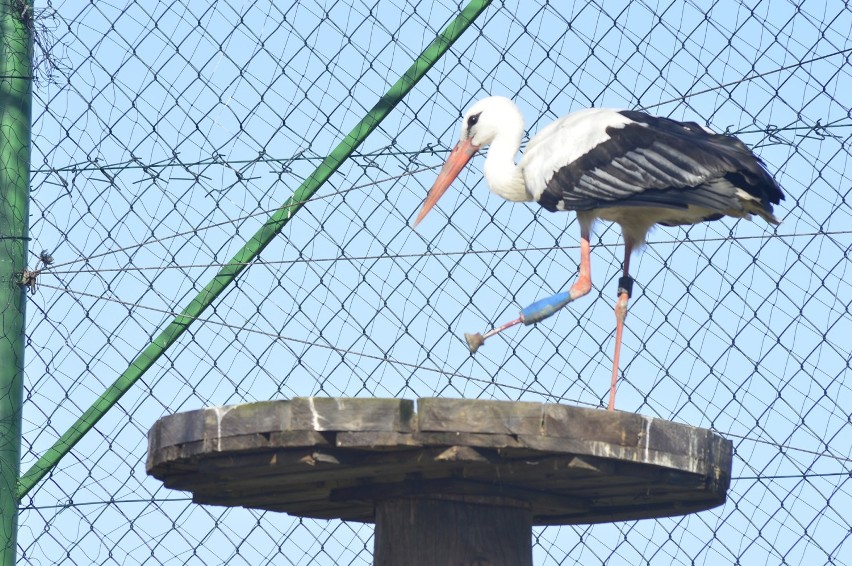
(618, 165)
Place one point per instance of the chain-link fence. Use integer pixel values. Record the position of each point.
(165, 134)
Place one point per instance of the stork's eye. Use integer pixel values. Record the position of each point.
(472, 120)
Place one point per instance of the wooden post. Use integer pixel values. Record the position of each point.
(455, 483)
(425, 531)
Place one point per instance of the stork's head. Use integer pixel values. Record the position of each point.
(481, 125)
(489, 118)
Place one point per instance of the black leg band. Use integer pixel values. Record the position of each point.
(625, 285)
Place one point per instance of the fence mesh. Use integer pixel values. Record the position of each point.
(164, 133)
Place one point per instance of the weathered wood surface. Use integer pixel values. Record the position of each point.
(439, 531)
(335, 458)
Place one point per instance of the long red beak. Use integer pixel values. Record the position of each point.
(458, 158)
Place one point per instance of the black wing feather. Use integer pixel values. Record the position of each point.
(661, 162)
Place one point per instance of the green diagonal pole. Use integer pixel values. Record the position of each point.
(16, 50)
(255, 246)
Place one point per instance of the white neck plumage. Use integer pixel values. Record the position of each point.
(504, 177)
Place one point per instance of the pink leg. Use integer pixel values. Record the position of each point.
(584, 281)
(543, 309)
(624, 289)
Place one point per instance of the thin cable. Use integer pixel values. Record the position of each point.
(747, 78)
(388, 359)
(792, 476)
(824, 453)
(73, 504)
(172, 162)
(312, 343)
(260, 212)
(413, 255)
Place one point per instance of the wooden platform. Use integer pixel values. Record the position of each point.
(336, 458)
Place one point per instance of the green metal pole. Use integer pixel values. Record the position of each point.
(255, 246)
(16, 50)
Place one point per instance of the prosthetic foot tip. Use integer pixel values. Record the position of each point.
(474, 341)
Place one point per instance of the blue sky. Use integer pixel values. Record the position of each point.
(170, 130)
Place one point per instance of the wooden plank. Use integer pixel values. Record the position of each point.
(490, 417)
(314, 465)
(251, 444)
(274, 462)
(357, 414)
(593, 425)
(548, 469)
(216, 423)
(263, 499)
(376, 440)
(249, 418)
(482, 440)
(463, 487)
(177, 429)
